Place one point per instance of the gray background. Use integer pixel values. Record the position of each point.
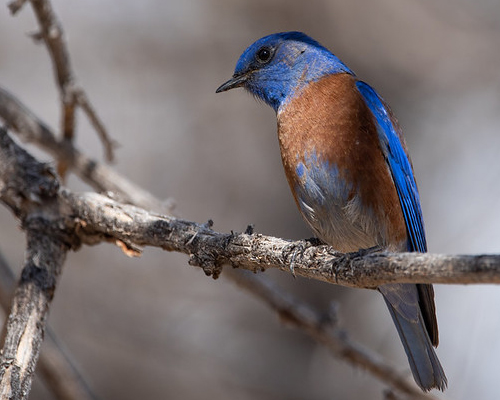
(156, 328)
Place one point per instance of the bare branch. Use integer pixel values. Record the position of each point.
(30, 189)
(105, 219)
(51, 33)
(26, 322)
(323, 329)
(84, 103)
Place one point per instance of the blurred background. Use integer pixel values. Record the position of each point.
(155, 327)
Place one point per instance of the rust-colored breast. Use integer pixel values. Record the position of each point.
(330, 120)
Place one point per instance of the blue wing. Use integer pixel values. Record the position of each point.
(411, 306)
(400, 168)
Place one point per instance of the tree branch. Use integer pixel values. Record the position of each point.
(105, 219)
(26, 322)
(30, 189)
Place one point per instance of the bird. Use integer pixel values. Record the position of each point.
(348, 167)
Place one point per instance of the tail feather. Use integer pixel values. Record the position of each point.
(424, 363)
(428, 308)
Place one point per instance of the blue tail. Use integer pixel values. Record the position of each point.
(403, 303)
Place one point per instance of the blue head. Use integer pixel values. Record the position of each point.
(276, 66)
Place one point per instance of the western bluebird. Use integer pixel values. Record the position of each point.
(349, 171)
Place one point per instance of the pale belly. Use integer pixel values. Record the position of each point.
(334, 211)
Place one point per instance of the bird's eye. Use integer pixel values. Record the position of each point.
(264, 55)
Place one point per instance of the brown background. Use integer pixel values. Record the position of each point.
(156, 328)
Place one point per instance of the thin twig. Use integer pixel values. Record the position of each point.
(84, 103)
(51, 32)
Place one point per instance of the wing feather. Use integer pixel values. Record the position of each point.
(392, 145)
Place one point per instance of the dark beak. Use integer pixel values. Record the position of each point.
(234, 82)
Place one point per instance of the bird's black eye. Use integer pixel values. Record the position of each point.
(264, 55)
